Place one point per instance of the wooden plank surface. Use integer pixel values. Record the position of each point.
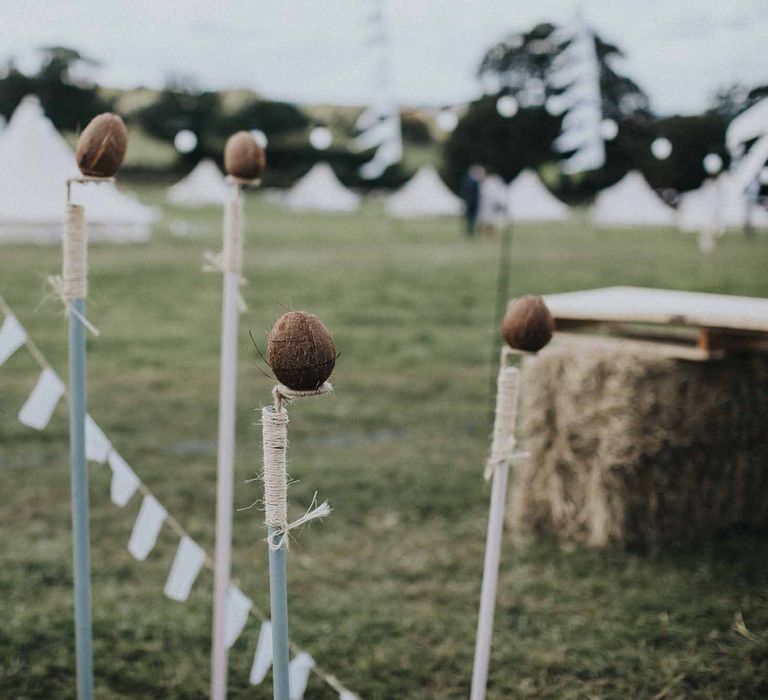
(655, 348)
(661, 306)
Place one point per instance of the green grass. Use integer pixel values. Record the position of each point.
(384, 593)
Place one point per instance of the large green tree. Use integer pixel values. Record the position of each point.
(177, 108)
(520, 66)
(69, 99)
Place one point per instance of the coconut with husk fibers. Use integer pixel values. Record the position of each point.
(300, 351)
(101, 148)
(528, 324)
(244, 157)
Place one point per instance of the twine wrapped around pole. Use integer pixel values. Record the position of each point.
(505, 421)
(232, 248)
(274, 422)
(73, 282)
(230, 259)
(497, 469)
(74, 269)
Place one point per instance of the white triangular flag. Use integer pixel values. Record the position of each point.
(39, 406)
(298, 674)
(124, 480)
(12, 337)
(186, 566)
(97, 447)
(146, 528)
(347, 695)
(262, 659)
(238, 605)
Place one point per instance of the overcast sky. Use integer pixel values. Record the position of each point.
(680, 51)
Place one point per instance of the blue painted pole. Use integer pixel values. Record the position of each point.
(77, 412)
(278, 598)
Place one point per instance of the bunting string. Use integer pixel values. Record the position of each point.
(190, 557)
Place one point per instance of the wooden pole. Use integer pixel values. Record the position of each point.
(274, 421)
(74, 289)
(231, 259)
(278, 600)
(501, 454)
(502, 298)
(490, 582)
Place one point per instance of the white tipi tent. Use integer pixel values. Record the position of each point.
(631, 202)
(717, 205)
(35, 162)
(321, 190)
(530, 200)
(425, 194)
(203, 185)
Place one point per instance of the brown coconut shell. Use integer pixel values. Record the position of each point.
(102, 145)
(244, 157)
(528, 325)
(300, 351)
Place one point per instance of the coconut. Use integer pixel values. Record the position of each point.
(244, 157)
(101, 148)
(300, 351)
(528, 325)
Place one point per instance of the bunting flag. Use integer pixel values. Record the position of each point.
(97, 447)
(146, 528)
(41, 403)
(12, 337)
(262, 659)
(577, 70)
(190, 557)
(238, 606)
(187, 563)
(299, 669)
(379, 124)
(124, 481)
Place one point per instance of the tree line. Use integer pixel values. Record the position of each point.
(503, 144)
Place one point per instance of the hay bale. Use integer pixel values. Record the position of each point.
(635, 450)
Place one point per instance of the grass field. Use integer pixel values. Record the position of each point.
(383, 593)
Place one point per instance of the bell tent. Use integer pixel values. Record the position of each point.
(35, 163)
(530, 201)
(631, 202)
(425, 194)
(321, 190)
(717, 205)
(204, 185)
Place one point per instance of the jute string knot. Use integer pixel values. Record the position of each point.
(284, 395)
(230, 259)
(274, 421)
(73, 282)
(505, 421)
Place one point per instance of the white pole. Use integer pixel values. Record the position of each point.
(231, 263)
(498, 468)
(490, 583)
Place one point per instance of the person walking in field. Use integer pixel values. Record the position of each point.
(470, 193)
(493, 204)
